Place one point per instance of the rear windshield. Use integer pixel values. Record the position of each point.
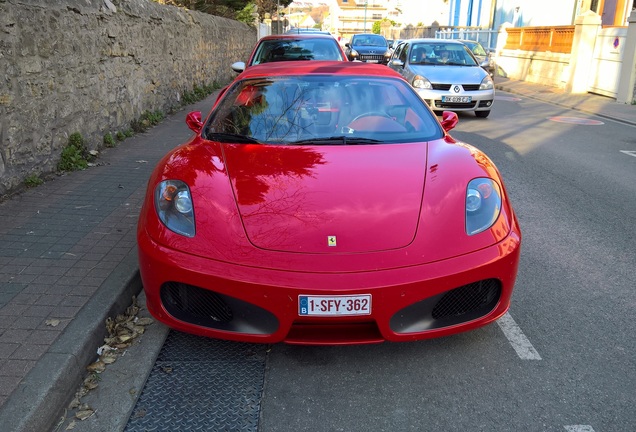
(297, 49)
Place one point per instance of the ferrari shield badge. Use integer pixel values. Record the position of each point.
(331, 240)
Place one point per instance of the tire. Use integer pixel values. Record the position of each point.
(482, 114)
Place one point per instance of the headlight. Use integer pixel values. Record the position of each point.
(483, 205)
(486, 84)
(173, 204)
(354, 53)
(421, 82)
(387, 54)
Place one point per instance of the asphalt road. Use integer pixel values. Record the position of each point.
(563, 359)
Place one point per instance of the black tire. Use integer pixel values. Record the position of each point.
(482, 114)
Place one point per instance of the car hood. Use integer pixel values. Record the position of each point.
(326, 199)
(445, 74)
(365, 49)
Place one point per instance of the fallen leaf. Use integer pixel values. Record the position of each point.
(52, 322)
(71, 425)
(144, 321)
(84, 414)
(98, 366)
(109, 358)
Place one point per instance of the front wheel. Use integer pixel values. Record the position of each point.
(482, 114)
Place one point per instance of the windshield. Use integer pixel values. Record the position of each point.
(476, 48)
(369, 40)
(322, 109)
(297, 49)
(441, 54)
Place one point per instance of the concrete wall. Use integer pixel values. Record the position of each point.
(602, 61)
(537, 67)
(92, 66)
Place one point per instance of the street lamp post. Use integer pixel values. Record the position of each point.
(365, 17)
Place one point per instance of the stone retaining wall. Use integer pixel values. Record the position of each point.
(93, 66)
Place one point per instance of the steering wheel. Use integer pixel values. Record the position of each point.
(381, 122)
(372, 114)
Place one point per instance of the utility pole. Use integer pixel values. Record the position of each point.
(365, 16)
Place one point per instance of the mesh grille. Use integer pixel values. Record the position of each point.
(441, 104)
(366, 57)
(467, 298)
(446, 87)
(181, 299)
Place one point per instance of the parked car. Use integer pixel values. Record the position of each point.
(302, 30)
(483, 56)
(445, 74)
(287, 47)
(368, 48)
(324, 203)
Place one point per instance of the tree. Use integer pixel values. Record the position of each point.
(270, 6)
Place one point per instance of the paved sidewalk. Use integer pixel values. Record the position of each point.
(68, 261)
(588, 103)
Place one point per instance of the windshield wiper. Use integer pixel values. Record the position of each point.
(231, 138)
(341, 139)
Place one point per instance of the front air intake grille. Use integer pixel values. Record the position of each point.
(206, 308)
(372, 57)
(467, 298)
(444, 87)
(470, 87)
(199, 305)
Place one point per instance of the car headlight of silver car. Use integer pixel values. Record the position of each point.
(419, 82)
(483, 204)
(486, 83)
(173, 203)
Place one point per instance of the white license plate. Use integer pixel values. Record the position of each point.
(309, 305)
(373, 61)
(460, 99)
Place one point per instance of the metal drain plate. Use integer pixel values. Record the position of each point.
(201, 384)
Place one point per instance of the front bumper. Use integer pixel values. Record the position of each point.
(481, 100)
(226, 301)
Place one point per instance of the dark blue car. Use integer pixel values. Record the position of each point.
(369, 48)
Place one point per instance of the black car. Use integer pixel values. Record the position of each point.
(369, 48)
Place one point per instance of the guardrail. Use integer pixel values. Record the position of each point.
(487, 38)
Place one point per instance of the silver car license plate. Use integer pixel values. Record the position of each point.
(460, 99)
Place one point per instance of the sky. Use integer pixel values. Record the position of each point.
(414, 11)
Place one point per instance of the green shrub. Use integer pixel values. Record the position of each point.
(74, 155)
(33, 180)
(198, 93)
(119, 136)
(109, 141)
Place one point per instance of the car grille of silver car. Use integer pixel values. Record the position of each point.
(446, 87)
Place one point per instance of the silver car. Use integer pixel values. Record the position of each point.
(445, 74)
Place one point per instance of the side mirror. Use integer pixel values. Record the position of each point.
(238, 67)
(396, 62)
(348, 45)
(193, 120)
(449, 120)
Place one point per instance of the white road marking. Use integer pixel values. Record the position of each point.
(579, 428)
(517, 339)
(629, 152)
